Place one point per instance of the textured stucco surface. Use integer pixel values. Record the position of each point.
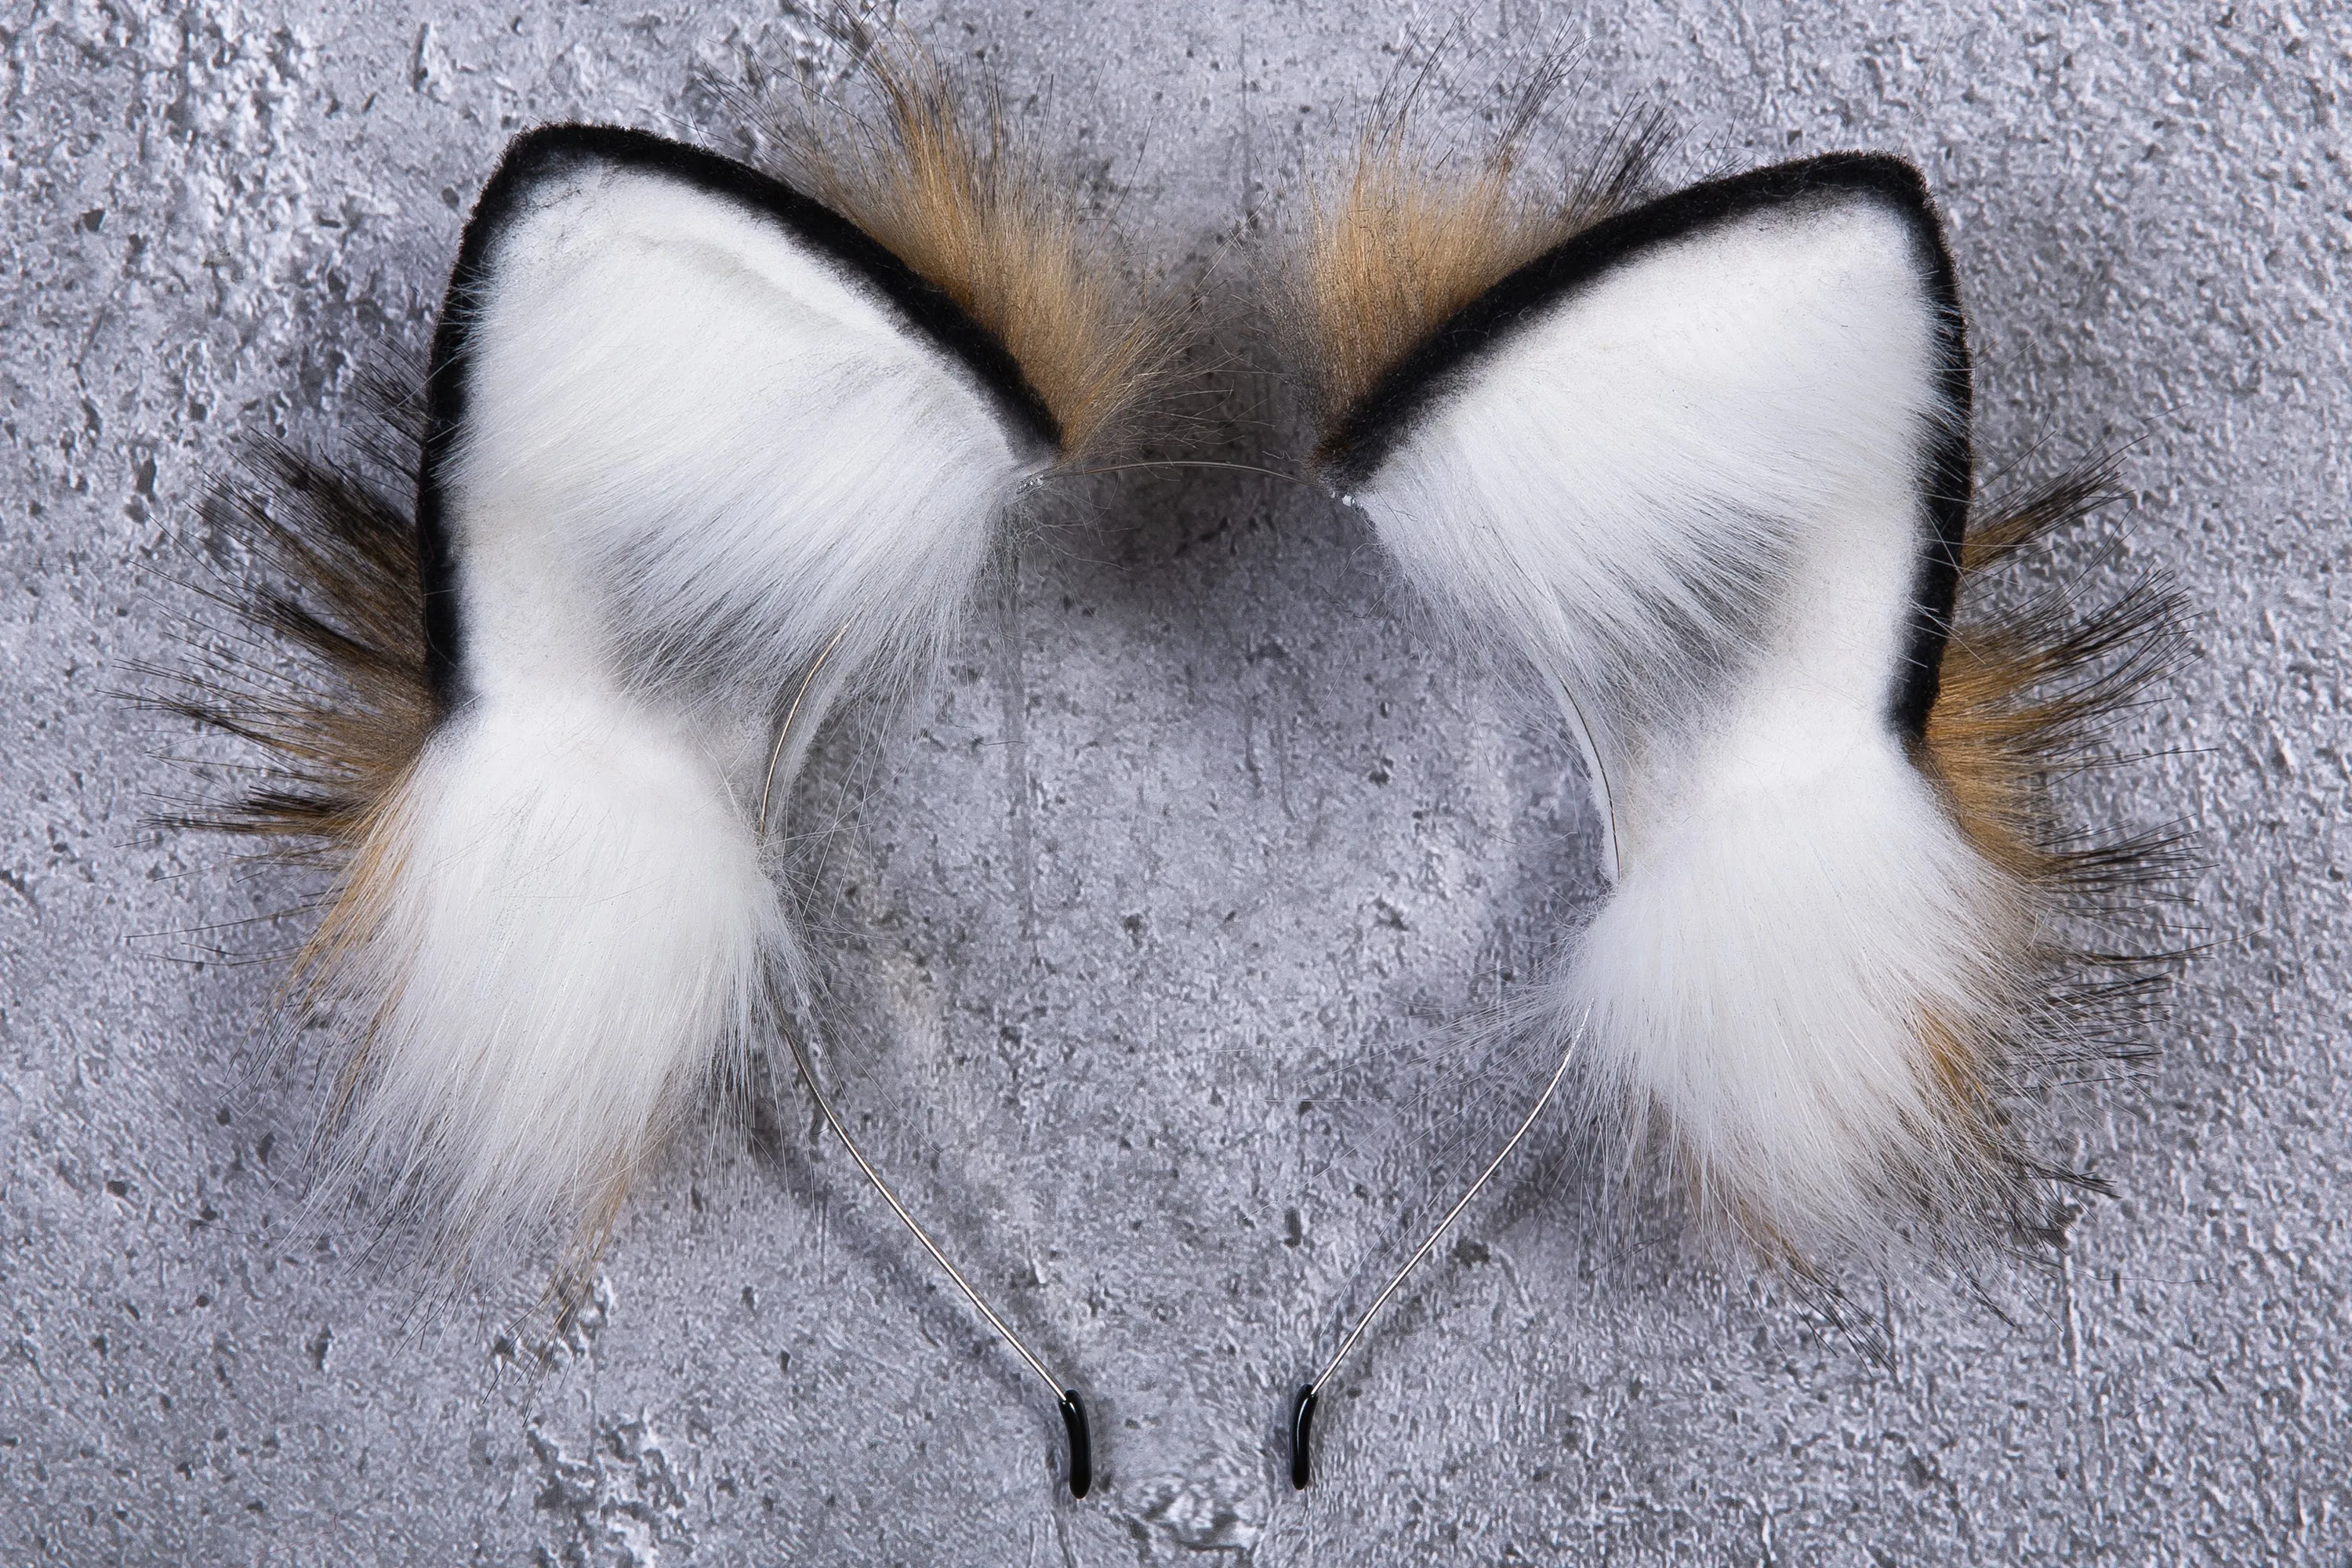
(1146, 920)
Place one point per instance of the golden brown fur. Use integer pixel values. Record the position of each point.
(2031, 690)
(1402, 244)
(338, 590)
(968, 210)
(342, 593)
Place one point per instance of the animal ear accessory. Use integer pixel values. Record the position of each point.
(700, 452)
(1703, 465)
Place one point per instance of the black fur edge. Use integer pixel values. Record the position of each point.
(553, 151)
(1363, 437)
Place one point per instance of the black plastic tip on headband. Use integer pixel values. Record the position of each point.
(1302, 1422)
(1082, 1446)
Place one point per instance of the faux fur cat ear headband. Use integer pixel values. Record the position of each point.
(1702, 464)
(701, 452)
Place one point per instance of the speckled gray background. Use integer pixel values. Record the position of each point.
(1151, 921)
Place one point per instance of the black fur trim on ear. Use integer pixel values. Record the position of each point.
(553, 151)
(1363, 438)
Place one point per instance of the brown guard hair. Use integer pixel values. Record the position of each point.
(969, 209)
(1402, 244)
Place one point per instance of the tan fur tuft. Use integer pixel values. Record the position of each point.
(1403, 243)
(968, 211)
(346, 599)
(2029, 694)
(2026, 691)
(340, 723)
(2030, 691)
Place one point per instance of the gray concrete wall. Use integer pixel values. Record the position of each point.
(1150, 923)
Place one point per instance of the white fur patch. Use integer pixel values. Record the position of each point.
(569, 947)
(699, 458)
(1690, 494)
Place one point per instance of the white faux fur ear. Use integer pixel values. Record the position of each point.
(1705, 467)
(688, 434)
(697, 454)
